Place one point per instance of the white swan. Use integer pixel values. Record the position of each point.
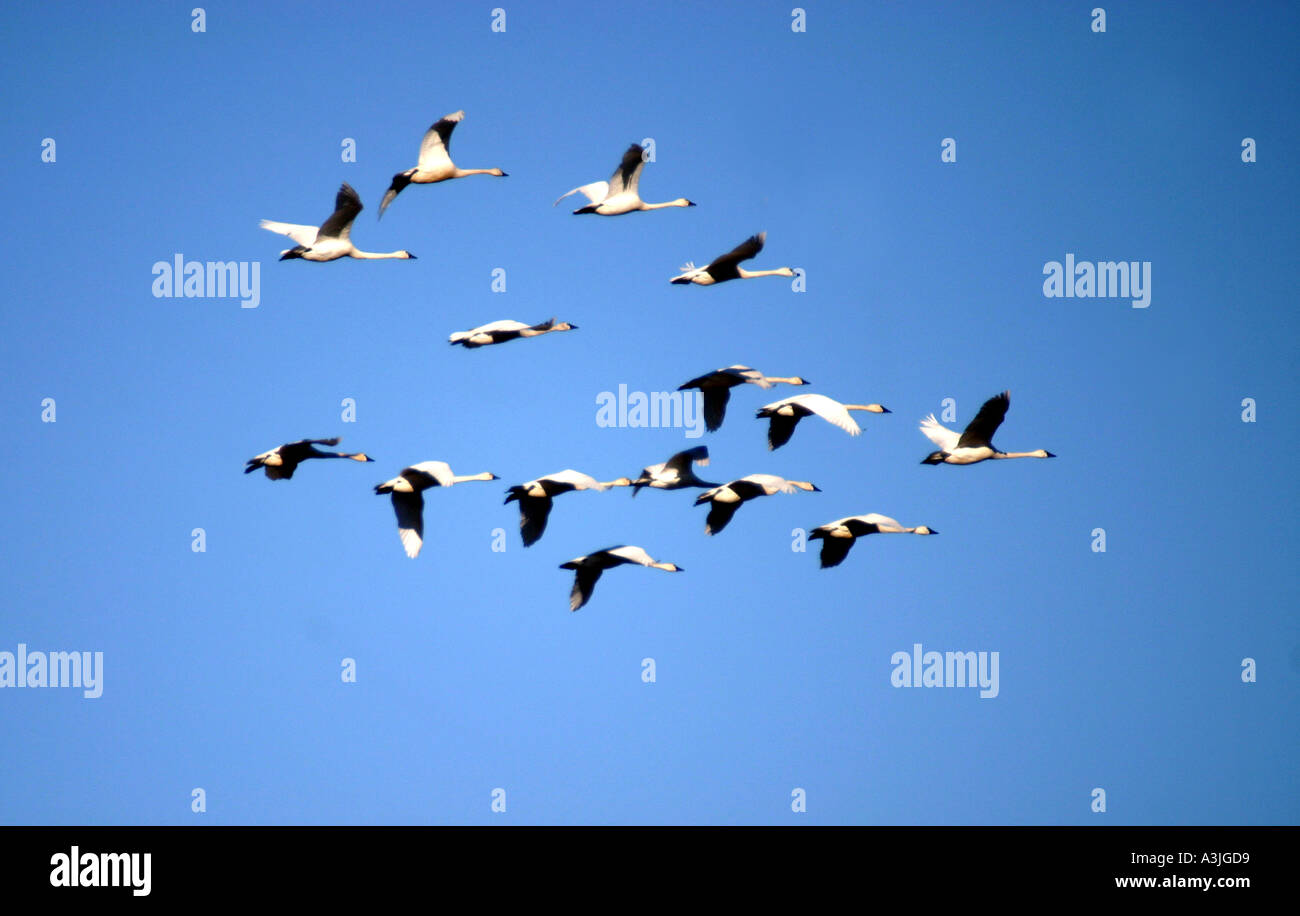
(784, 415)
(435, 163)
(975, 444)
(280, 463)
(407, 491)
(675, 473)
(837, 537)
(502, 331)
(726, 499)
(726, 266)
(592, 565)
(619, 194)
(534, 498)
(332, 239)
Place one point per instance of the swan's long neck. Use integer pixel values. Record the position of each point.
(792, 380)
(376, 255)
(874, 408)
(666, 203)
(462, 478)
(751, 274)
(355, 456)
(621, 482)
(461, 173)
(803, 485)
(668, 566)
(1038, 454)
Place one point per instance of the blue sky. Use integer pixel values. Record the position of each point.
(1118, 670)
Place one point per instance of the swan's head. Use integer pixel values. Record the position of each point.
(797, 380)
(406, 254)
(290, 253)
(784, 272)
(1043, 453)
(565, 326)
(683, 202)
(671, 567)
(499, 173)
(361, 457)
(933, 458)
(878, 408)
(621, 482)
(924, 530)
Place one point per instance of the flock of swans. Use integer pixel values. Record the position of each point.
(332, 240)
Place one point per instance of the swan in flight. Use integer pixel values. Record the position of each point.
(502, 331)
(725, 500)
(435, 162)
(407, 491)
(280, 463)
(333, 239)
(716, 387)
(592, 565)
(975, 444)
(837, 537)
(675, 473)
(726, 266)
(534, 498)
(785, 415)
(619, 194)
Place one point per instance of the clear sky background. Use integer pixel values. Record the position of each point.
(1118, 670)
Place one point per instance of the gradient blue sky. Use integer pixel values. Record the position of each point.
(1118, 670)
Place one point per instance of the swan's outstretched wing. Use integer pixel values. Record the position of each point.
(409, 508)
(429, 474)
(303, 235)
(628, 174)
(881, 522)
(945, 438)
(594, 192)
(631, 554)
(829, 409)
(719, 515)
(725, 264)
(834, 550)
(347, 204)
(533, 514)
(584, 583)
(780, 429)
(576, 480)
(681, 462)
(436, 145)
(981, 429)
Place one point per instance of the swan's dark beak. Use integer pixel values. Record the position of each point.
(411, 256)
(690, 203)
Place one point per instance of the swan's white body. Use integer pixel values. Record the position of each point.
(407, 491)
(975, 444)
(332, 239)
(589, 568)
(838, 537)
(784, 415)
(280, 463)
(501, 331)
(435, 162)
(534, 498)
(675, 473)
(724, 500)
(619, 195)
(727, 266)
